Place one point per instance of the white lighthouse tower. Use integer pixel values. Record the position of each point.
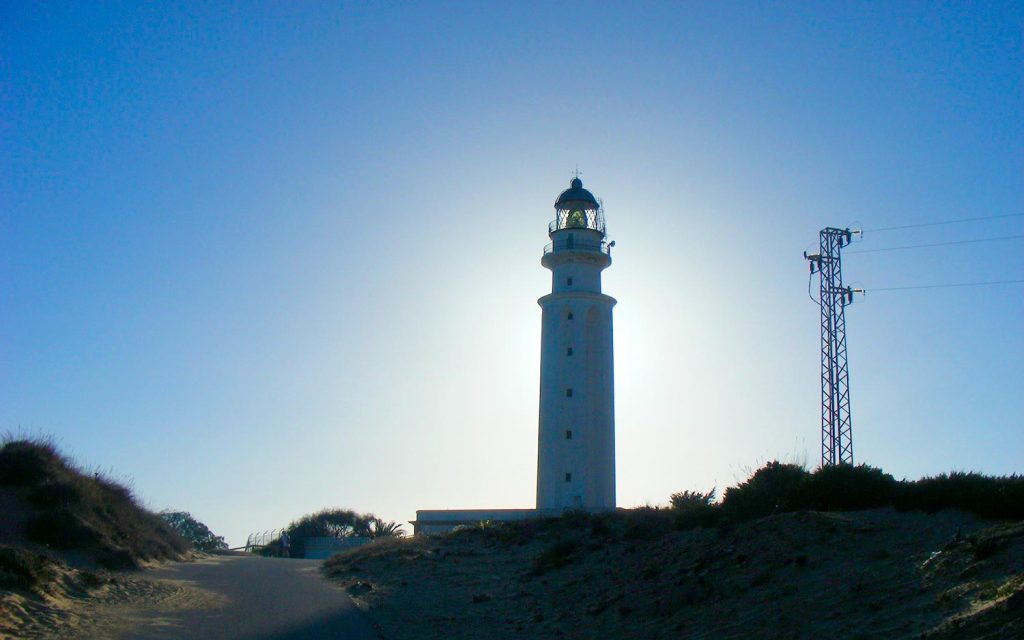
(576, 448)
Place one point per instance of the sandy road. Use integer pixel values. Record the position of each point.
(261, 599)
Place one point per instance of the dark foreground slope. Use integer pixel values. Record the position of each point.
(857, 575)
(51, 504)
(62, 530)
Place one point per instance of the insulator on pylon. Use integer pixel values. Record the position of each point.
(855, 228)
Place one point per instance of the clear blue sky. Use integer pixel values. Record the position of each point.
(270, 258)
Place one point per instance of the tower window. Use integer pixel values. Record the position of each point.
(568, 393)
(568, 281)
(568, 434)
(570, 315)
(568, 477)
(568, 351)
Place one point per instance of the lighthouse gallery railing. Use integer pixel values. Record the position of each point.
(577, 245)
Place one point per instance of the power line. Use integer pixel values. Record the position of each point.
(935, 224)
(809, 294)
(937, 244)
(946, 286)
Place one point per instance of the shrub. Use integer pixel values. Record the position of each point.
(26, 462)
(692, 499)
(773, 488)
(54, 495)
(330, 523)
(778, 487)
(694, 509)
(333, 523)
(116, 559)
(985, 496)
(24, 570)
(646, 523)
(385, 529)
(599, 527)
(555, 556)
(846, 488)
(61, 530)
(574, 521)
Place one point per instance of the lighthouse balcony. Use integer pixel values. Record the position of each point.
(571, 244)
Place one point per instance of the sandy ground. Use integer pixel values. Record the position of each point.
(78, 606)
(873, 574)
(214, 598)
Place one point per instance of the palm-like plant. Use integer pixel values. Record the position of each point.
(381, 529)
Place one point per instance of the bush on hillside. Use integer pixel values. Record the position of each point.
(28, 462)
(555, 556)
(645, 523)
(985, 496)
(778, 488)
(333, 523)
(845, 487)
(598, 526)
(774, 488)
(694, 509)
(76, 511)
(330, 523)
(692, 499)
(60, 529)
(24, 570)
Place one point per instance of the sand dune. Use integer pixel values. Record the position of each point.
(81, 604)
(859, 575)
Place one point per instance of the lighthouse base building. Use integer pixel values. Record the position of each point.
(576, 434)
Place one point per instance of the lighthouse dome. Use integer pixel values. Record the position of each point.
(575, 194)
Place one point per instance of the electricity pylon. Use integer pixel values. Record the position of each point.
(836, 423)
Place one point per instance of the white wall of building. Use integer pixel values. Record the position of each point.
(576, 443)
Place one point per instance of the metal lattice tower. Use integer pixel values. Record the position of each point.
(836, 424)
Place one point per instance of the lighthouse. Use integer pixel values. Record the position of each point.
(576, 443)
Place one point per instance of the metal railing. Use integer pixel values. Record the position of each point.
(567, 245)
(562, 222)
(259, 540)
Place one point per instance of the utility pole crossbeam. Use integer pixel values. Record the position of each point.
(836, 423)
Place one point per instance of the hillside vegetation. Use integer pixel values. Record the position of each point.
(845, 553)
(196, 533)
(60, 524)
(331, 523)
(782, 488)
(66, 536)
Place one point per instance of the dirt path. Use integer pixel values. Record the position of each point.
(232, 598)
(259, 598)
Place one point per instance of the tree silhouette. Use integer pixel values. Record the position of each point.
(197, 533)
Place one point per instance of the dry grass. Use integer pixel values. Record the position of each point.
(23, 570)
(67, 510)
